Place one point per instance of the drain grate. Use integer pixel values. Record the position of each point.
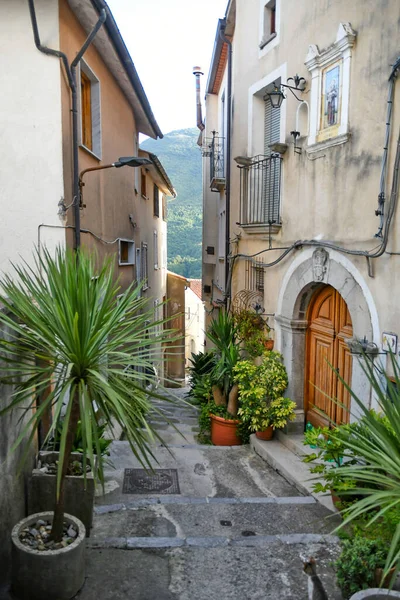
(161, 481)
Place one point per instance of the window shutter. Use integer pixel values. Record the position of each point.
(156, 201)
(272, 177)
(144, 267)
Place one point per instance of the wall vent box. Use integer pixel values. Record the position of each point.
(126, 252)
(210, 250)
(207, 289)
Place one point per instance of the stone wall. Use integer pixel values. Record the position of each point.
(12, 485)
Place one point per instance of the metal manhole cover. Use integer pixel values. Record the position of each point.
(161, 481)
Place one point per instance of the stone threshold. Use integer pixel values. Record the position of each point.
(109, 508)
(284, 454)
(134, 543)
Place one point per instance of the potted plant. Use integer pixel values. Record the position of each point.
(223, 334)
(262, 406)
(328, 459)
(73, 344)
(80, 487)
(253, 331)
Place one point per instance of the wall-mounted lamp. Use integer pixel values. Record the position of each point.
(295, 135)
(362, 347)
(123, 161)
(277, 96)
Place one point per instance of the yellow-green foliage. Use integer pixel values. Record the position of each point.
(261, 393)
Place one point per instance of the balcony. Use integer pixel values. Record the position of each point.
(260, 191)
(214, 149)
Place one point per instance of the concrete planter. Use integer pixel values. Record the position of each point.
(79, 500)
(375, 594)
(52, 574)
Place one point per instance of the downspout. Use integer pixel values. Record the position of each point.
(71, 75)
(228, 161)
(380, 211)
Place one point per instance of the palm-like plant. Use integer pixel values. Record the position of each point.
(376, 444)
(70, 334)
(223, 334)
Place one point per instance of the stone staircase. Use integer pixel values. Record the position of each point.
(236, 529)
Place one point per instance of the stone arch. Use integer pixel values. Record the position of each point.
(308, 271)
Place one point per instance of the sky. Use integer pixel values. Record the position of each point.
(166, 39)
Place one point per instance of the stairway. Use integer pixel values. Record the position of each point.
(237, 529)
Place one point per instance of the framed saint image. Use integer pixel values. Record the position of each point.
(331, 96)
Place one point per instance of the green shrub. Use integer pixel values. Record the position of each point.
(355, 567)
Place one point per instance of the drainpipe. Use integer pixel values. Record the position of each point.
(71, 75)
(380, 211)
(228, 159)
(197, 72)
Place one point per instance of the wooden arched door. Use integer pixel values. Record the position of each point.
(329, 324)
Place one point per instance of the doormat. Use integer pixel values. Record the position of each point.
(161, 481)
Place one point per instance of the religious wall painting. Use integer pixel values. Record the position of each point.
(331, 100)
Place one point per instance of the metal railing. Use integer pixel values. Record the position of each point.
(260, 191)
(214, 149)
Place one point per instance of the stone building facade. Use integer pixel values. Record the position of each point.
(307, 198)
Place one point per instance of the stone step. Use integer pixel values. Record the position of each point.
(291, 467)
(294, 443)
(214, 518)
(192, 571)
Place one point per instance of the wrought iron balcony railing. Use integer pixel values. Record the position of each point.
(214, 149)
(260, 191)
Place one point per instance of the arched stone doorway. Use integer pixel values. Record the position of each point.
(326, 399)
(310, 271)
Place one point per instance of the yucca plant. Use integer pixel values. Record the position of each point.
(70, 334)
(222, 332)
(376, 444)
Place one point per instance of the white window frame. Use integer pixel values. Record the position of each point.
(267, 43)
(155, 249)
(131, 252)
(95, 95)
(317, 62)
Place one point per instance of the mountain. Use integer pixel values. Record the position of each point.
(181, 157)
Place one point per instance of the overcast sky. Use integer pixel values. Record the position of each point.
(166, 39)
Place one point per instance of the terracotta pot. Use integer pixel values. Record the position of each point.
(337, 500)
(224, 431)
(269, 344)
(266, 434)
(388, 579)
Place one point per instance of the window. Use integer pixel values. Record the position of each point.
(90, 110)
(156, 200)
(86, 94)
(144, 267)
(271, 195)
(269, 23)
(143, 184)
(126, 252)
(155, 249)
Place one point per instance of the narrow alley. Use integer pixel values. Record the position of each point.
(232, 527)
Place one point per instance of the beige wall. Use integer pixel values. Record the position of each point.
(175, 310)
(194, 325)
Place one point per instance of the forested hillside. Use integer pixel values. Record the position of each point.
(181, 158)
